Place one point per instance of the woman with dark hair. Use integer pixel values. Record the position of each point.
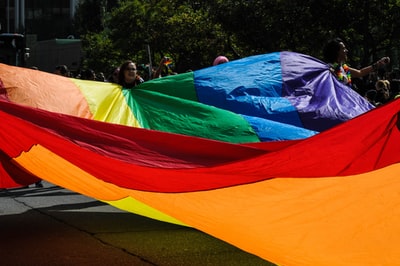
(128, 76)
(335, 54)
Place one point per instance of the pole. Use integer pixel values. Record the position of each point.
(16, 17)
(8, 15)
(150, 65)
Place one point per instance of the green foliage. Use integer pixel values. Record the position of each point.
(127, 28)
(100, 53)
(369, 28)
(192, 38)
(178, 30)
(193, 33)
(89, 16)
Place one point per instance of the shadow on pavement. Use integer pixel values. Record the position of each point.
(60, 227)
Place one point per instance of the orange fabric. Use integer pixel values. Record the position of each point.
(65, 174)
(51, 92)
(60, 172)
(350, 220)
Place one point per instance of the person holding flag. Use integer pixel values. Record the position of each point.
(165, 62)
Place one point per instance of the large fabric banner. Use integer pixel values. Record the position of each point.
(268, 153)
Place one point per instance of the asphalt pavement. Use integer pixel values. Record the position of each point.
(55, 226)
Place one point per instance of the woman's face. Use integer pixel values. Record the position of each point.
(342, 54)
(130, 73)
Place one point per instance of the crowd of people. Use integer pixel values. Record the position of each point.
(373, 82)
(128, 74)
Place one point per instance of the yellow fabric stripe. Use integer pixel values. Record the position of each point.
(132, 205)
(106, 102)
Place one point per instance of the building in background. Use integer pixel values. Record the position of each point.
(45, 24)
(46, 19)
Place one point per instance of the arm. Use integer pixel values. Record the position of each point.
(157, 74)
(358, 73)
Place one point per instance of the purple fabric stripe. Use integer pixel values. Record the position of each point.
(321, 100)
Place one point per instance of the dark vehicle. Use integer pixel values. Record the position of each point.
(12, 49)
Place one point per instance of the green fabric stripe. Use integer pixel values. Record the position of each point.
(181, 86)
(159, 111)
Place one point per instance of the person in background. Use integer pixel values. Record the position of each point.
(370, 95)
(62, 70)
(383, 94)
(335, 54)
(128, 76)
(163, 65)
(100, 77)
(88, 74)
(113, 78)
(220, 60)
(39, 184)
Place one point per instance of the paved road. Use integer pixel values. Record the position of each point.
(54, 226)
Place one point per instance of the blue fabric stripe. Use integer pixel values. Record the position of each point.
(288, 90)
(269, 130)
(251, 86)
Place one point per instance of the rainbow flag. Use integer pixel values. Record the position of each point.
(268, 153)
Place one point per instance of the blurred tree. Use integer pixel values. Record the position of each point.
(370, 28)
(100, 54)
(184, 32)
(195, 32)
(90, 15)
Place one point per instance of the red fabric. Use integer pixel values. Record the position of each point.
(156, 161)
(11, 176)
